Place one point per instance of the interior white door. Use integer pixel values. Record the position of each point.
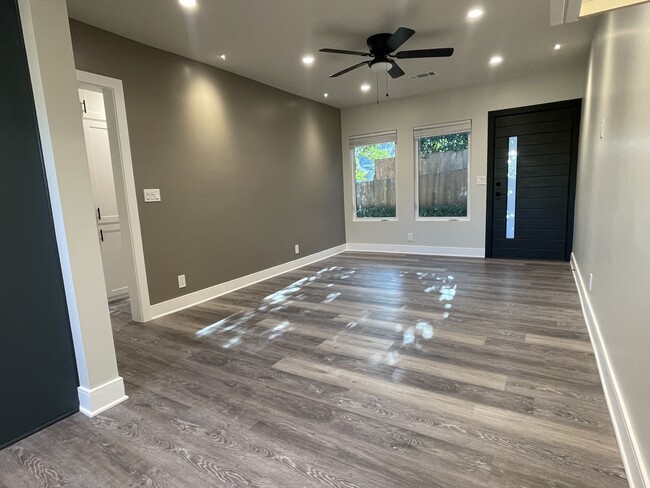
(103, 187)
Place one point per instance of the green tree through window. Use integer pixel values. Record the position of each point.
(444, 143)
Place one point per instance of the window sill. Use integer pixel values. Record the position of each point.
(442, 219)
(375, 219)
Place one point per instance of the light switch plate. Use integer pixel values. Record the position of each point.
(151, 195)
(481, 180)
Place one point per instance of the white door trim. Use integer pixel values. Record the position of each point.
(125, 189)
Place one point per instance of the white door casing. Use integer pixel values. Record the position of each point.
(122, 166)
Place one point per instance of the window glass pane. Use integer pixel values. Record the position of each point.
(374, 174)
(512, 188)
(443, 175)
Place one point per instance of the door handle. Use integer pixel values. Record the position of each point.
(101, 235)
(99, 214)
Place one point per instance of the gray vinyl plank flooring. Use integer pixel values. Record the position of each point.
(362, 370)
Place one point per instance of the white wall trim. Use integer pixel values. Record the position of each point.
(191, 299)
(465, 252)
(95, 401)
(116, 120)
(637, 474)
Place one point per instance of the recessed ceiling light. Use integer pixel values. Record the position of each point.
(326, 95)
(494, 60)
(223, 56)
(188, 3)
(365, 87)
(475, 13)
(308, 60)
(557, 47)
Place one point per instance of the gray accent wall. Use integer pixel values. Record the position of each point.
(38, 376)
(613, 208)
(246, 171)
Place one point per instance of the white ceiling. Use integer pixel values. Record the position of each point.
(266, 39)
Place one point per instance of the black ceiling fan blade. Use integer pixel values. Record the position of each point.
(395, 71)
(342, 51)
(401, 35)
(346, 70)
(443, 52)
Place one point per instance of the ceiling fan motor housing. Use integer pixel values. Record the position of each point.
(378, 45)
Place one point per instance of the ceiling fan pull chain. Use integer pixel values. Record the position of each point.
(386, 84)
(377, 85)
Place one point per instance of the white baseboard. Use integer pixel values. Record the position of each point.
(95, 401)
(466, 252)
(191, 299)
(637, 474)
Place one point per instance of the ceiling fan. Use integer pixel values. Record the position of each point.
(382, 46)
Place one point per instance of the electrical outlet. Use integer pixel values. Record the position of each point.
(151, 195)
(181, 281)
(297, 248)
(409, 236)
(591, 280)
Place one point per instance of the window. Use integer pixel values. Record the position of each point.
(374, 175)
(512, 187)
(442, 153)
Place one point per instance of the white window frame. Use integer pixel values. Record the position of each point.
(376, 138)
(442, 129)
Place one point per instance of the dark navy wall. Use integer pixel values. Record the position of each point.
(38, 377)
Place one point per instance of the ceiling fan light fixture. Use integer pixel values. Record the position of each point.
(365, 87)
(475, 13)
(308, 60)
(381, 66)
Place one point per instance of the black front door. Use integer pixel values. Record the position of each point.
(532, 162)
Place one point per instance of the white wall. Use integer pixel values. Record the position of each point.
(612, 232)
(49, 53)
(462, 237)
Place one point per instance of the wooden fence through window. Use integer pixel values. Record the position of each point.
(442, 180)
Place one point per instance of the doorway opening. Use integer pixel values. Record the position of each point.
(103, 185)
(103, 112)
